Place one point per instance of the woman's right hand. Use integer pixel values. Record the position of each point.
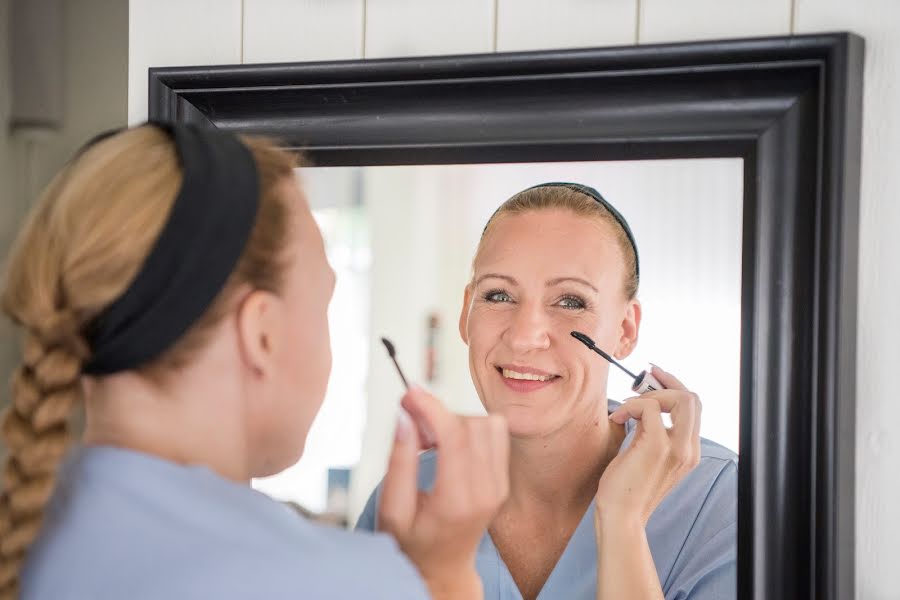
(440, 530)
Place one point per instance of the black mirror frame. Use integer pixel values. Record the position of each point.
(791, 107)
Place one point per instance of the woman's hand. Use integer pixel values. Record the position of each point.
(636, 481)
(440, 531)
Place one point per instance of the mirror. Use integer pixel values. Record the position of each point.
(787, 108)
(401, 240)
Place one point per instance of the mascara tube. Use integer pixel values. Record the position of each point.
(643, 381)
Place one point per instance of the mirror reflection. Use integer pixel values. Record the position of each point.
(402, 241)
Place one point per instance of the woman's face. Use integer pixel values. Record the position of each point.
(539, 276)
(299, 356)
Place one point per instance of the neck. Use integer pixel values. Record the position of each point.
(195, 421)
(557, 474)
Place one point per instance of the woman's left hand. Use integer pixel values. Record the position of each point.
(636, 480)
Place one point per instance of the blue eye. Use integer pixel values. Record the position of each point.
(571, 303)
(496, 296)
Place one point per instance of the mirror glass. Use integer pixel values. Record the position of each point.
(401, 240)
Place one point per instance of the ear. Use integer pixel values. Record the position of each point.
(464, 315)
(260, 324)
(631, 324)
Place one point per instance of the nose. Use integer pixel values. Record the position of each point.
(529, 329)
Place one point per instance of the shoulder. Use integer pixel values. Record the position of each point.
(703, 504)
(242, 561)
(713, 450)
(712, 485)
(693, 532)
(202, 538)
(715, 480)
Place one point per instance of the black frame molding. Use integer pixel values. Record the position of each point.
(790, 107)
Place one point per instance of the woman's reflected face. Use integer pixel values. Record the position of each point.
(540, 275)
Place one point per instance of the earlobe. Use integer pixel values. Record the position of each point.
(464, 315)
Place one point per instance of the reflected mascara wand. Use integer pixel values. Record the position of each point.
(643, 382)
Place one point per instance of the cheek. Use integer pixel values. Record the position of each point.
(486, 324)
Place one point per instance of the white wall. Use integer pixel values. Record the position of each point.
(95, 49)
(215, 31)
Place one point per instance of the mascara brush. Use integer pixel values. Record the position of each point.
(643, 381)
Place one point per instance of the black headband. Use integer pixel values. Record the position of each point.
(195, 253)
(589, 191)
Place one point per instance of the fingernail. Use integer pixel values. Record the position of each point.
(428, 437)
(655, 366)
(403, 430)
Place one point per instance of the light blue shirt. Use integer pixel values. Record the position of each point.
(692, 536)
(123, 524)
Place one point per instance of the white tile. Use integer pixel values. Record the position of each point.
(538, 24)
(878, 412)
(302, 30)
(178, 32)
(427, 27)
(686, 20)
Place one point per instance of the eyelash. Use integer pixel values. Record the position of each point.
(490, 296)
(581, 304)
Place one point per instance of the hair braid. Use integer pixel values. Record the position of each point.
(45, 389)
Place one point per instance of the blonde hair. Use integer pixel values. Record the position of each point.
(580, 204)
(82, 245)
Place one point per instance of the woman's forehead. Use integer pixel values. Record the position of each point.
(548, 236)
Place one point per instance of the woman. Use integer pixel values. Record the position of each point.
(174, 278)
(604, 501)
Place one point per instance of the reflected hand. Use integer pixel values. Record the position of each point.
(440, 531)
(636, 481)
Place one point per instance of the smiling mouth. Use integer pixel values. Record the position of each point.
(517, 376)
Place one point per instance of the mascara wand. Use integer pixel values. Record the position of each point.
(392, 352)
(643, 382)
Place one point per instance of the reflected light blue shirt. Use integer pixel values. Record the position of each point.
(692, 536)
(123, 524)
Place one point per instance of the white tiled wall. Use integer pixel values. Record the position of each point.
(416, 27)
(211, 31)
(686, 20)
(285, 30)
(538, 24)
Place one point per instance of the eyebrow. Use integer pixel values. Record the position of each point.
(585, 282)
(550, 282)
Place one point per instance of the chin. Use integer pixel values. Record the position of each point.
(277, 460)
(526, 421)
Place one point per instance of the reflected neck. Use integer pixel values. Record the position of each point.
(559, 472)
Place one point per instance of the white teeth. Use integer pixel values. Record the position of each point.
(529, 376)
